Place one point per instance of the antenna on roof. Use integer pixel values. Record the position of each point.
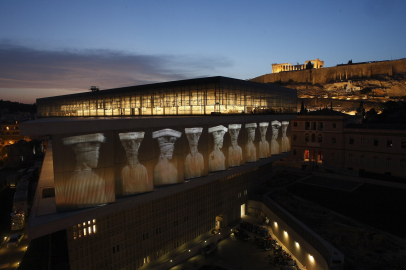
(94, 88)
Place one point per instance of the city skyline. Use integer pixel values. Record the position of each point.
(50, 49)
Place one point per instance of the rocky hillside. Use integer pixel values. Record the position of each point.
(347, 94)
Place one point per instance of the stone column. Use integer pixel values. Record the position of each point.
(263, 144)
(250, 149)
(84, 188)
(285, 139)
(216, 157)
(274, 142)
(194, 162)
(234, 151)
(165, 171)
(134, 176)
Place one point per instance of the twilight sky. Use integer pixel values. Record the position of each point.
(50, 48)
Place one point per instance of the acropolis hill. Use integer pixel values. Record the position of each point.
(345, 85)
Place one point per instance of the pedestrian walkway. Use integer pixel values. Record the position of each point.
(255, 220)
(233, 254)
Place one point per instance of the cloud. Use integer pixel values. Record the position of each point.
(22, 67)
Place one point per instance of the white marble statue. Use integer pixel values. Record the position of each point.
(84, 188)
(234, 151)
(250, 149)
(216, 157)
(134, 175)
(165, 172)
(263, 144)
(285, 139)
(194, 163)
(274, 142)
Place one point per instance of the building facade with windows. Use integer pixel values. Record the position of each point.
(147, 174)
(335, 141)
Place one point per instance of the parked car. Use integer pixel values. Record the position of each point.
(209, 249)
(14, 240)
(241, 234)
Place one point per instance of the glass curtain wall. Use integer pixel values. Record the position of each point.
(186, 99)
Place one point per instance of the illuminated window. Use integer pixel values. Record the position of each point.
(389, 143)
(306, 155)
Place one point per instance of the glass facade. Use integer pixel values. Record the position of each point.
(202, 96)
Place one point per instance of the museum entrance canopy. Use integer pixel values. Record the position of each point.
(201, 96)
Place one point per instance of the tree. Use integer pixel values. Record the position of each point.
(309, 65)
(349, 62)
(365, 91)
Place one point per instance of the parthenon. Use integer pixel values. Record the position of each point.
(276, 68)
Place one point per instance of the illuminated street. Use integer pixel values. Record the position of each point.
(11, 257)
(233, 254)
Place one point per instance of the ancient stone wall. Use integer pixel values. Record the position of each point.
(325, 75)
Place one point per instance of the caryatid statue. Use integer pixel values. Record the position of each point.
(274, 142)
(194, 163)
(216, 157)
(234, 151)
(263, 144)
(250, 149)
(165, 172)
(285, 139)
(85, 188)
(134, 175)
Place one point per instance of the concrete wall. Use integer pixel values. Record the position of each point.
(325, 75)
(309, 243)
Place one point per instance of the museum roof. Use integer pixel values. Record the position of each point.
(206, 80)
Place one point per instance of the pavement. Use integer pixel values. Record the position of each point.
(11, 257)
(233, 254)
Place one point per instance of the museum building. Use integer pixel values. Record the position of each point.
(134, 173)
